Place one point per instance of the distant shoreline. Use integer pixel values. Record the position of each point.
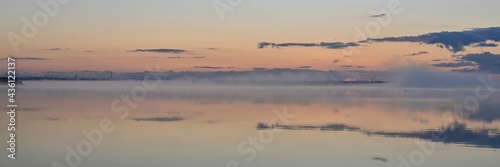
(284, 83)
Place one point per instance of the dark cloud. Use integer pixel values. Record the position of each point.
(378, 15)
(327, 127)
(213, 48)
(160, 119)
(328, 45)
(336, 61)
(174, 51)
(418, 53)
(454, 64)
(361, 66)
(262, 45)
(305, 67)
(259, 69)
(486, 61)
(380, 159)
(209, 67)
(337, 45)
(346, 66)
(177, 57)
(88, 51)
(52, 119)
(27, 58)
(174, 57)
(485, 44)
(56, 49)
(453, 41)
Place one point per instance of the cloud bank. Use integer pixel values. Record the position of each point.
(423, 77)
(454, 64)
(163, 50)
(487, 62)
(453, 41)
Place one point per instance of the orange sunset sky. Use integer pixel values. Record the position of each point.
(97, 35)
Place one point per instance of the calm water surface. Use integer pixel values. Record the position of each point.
(212, 126)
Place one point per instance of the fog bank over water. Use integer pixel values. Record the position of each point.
(411, 77)
(428, 78)
(416, 76)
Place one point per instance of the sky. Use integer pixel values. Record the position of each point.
(180, 35)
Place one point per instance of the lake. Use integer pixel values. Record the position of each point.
(122, 124)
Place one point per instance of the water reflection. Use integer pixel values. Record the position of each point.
(203, 126)
(455, 133)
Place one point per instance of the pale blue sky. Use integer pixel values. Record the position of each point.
(116, 26)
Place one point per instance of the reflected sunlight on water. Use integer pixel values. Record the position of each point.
(204, 126)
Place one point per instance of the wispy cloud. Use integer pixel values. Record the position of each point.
(328, 45)
(378, 15)
(351, 66)
(56, 49)
(304, 67)
(177, 57)
(209, 67)
(174, 57)
(418, 53)
(160, 119)
(163, 50)
(52, 119)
